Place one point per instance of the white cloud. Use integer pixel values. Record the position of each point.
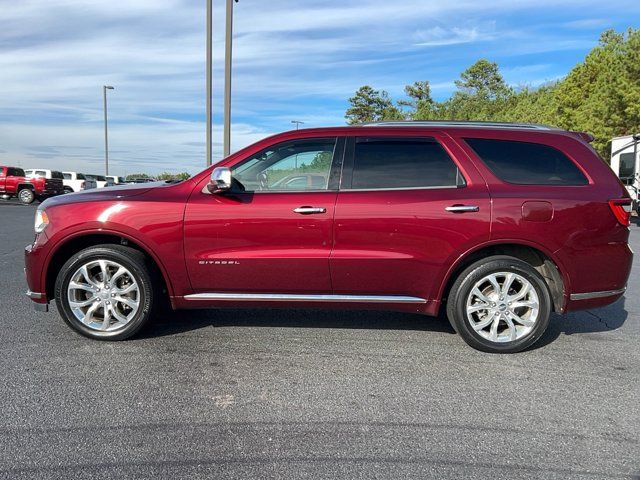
(292, 60)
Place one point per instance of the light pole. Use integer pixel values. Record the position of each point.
(298, 123)
(209, 87)
(106, 137)
(228, 57)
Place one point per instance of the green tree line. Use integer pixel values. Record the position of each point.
(600, 95)
(161, 176)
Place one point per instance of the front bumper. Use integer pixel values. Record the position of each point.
(33, 261)
(38, 307)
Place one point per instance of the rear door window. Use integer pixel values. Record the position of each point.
(527, 163)
(402, 163)
(15, 172)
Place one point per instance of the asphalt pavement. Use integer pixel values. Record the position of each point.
(240, 394)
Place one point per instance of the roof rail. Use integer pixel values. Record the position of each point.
(455, 123)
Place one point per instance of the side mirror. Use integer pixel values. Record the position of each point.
(220, 180)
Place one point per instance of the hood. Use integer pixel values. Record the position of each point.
(104, 194)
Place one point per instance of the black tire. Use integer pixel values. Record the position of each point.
(26, 196)
(461, 290)
(135, 262)
(68, 190)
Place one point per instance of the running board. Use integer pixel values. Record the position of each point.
(279, 297)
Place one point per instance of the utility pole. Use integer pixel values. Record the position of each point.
(209, 87)
(228, 57)
(106, 136)
(298, 123)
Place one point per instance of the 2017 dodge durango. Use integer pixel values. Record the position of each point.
(496, 225)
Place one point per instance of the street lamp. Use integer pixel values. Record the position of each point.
(208, 88)
(106, 138)
(298, 123)
(227, 78)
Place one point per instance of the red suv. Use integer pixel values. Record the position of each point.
(497, 224)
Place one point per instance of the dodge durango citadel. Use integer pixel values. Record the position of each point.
(494, 225)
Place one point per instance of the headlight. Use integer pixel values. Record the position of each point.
(42, 220)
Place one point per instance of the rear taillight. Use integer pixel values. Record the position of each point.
(621, 208)
(82, 185)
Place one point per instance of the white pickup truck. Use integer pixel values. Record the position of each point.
(116, 180)
(75, 182)
(101, 180)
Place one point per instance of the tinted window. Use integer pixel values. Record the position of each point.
(15, 172)
(67, 176)
(627, 166)
(527, 163)
(55, 174)
(80, 176)
(294, 166)
(406, 163)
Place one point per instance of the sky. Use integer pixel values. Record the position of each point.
(293, 60)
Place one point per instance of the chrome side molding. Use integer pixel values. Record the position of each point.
(285, 297)
(601, 294)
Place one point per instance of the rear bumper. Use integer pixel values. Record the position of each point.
(598, 276)
(594, 295)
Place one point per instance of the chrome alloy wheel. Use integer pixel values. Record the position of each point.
(103, 295)
(503, 307)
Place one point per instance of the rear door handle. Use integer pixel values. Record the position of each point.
(462, 208)
(309, 210)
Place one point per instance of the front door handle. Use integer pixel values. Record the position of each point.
(309, 210)
(462, 208)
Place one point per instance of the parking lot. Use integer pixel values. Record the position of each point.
(239, 394)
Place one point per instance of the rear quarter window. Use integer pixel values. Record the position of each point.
(527, 163)
(55, 174)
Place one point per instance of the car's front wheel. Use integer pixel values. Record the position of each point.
(500, 305)
(105, 292)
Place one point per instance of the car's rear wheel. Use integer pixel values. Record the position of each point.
(105, 292)
(26, 196)
(500, 305)
(68, 190)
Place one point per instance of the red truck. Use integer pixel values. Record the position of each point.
(14, 183)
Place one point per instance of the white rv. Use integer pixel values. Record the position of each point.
(625, 156)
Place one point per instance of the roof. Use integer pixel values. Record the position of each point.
(463, 124)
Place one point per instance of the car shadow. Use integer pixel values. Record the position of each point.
(170, 323)
(598, 320)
